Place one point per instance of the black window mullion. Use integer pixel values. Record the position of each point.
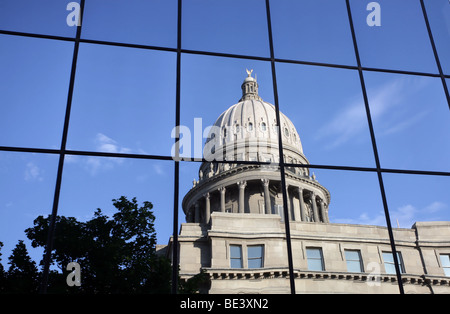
(375, 150)
(436, 56)
(52, 226)
(175, 257)
(280, 152)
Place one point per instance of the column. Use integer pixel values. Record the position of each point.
(207, 208)
(222, 199)
(298, 209)
(242, 185)
(267, 206)
(288, 203)
(302, 204)
(314, 206)
(197, 212)
(323, 211)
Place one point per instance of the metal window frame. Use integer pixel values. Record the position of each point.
(62, 151)
(321, 258)
(359, 260)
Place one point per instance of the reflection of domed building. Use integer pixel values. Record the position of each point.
(235, 229)
(248, 131)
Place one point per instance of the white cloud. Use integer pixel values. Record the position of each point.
(107, 144)
(435, 207)
(404, 216)
(364, 219)
(33, 172)
(351, 122)
(159, 169)
(94, 165)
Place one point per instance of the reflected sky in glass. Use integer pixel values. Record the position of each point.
(34, 79)
(401, 42)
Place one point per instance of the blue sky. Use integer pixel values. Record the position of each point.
(124, 101)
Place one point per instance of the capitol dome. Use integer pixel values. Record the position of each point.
(248, 131)
(241, 131)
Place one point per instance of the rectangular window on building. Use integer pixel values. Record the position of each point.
(315, 259)
(445, 263)
(389, 264)
(354, 261)
(235, 256)
(255, 256)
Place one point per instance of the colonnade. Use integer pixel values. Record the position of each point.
(310, 207)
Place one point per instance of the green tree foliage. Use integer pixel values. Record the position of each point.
(116, 255)
(23, 275)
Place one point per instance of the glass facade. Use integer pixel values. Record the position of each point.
(118, 102)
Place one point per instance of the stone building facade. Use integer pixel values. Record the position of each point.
(235, 229)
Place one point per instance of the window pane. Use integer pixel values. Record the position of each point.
(353, 259)
(255, 263)
(235, 256)
(326, 107)
(315, 265)
(390, 268)
(235, 251)
(402, 32)
(389, 264)
(352, 255)
(139, 22)
(34, 79)
(255, 256)
(315, 260)
(445, 260)
(238, 27)
(354, 266)
(348, 190)
(124, 101)
(209, 87)
(388, 258)
(318, 31)
(447, 271)
(313, 253)
(255, 251)
(236, 263)
(411, 121)
(89, 183)
(27, 186)
(407, 204)
(438, 12)
(40, 17)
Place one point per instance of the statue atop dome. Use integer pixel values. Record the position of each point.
(250, 87)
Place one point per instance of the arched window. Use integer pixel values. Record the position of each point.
(263, 126)
(250, 126)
